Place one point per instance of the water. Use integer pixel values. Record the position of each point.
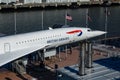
(29, 21)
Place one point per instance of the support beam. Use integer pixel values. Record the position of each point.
(86, 53)
(36, 57)
(66, 51)
(41, 55)
(59, 56)
(89, 55)
(82, 59)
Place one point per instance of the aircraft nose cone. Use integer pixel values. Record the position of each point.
(95, 33)
(101, 32)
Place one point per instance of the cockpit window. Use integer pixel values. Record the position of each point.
(89, 30)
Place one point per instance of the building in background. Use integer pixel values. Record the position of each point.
(7, 1)
(30, 1)
(41, 1)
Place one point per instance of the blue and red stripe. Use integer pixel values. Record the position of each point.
(75, 31)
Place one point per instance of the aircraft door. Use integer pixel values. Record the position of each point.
(7, 47)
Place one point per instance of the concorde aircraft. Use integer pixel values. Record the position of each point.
(16, 46)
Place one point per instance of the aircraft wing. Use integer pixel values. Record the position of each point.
(8, 57)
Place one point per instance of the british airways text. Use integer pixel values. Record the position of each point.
(56, 40)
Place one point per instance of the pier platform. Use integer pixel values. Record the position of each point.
(103, 64)
(71, 59)
(103, 69)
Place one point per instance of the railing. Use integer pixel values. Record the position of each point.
(109, 50)
(113, 41)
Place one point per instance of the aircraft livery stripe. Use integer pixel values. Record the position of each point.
(74, 31)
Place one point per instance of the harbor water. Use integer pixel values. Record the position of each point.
(28, 21)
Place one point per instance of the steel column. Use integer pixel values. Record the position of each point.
(89, 55)
(82, 59)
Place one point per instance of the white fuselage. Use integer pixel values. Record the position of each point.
(45, 39)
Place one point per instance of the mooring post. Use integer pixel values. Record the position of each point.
(82, 59)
